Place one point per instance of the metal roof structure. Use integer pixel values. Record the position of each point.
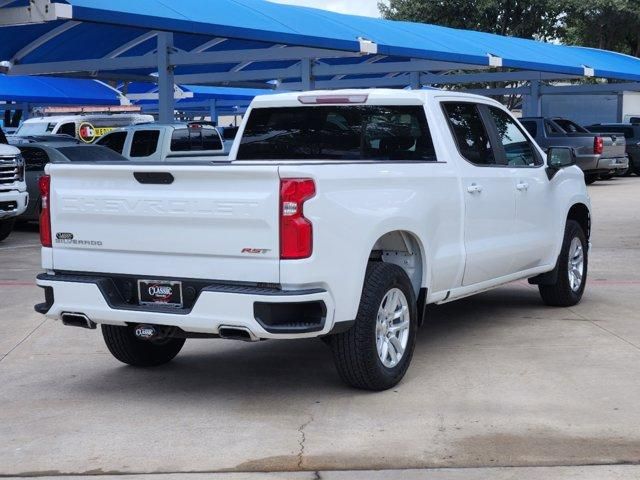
(269, 45)
(196, 99)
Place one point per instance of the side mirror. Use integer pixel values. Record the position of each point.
(559, 158)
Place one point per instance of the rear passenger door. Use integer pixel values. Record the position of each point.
(489, 195)
(534, 231)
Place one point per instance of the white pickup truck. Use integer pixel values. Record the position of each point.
(155, 142)
(340, 215)
(13, 189)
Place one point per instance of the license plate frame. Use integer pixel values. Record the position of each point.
(166, 293)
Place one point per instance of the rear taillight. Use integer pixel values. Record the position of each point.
(45, 216)
(598, 145)
(296, 231)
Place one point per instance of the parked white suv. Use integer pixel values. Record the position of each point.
(341, 215)
(13, 189)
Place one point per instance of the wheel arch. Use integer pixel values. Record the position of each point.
(580, 213)
(404, 248)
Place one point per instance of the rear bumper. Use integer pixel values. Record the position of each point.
(13, 203)
(610, 164)
(596, 164)
(265, 312)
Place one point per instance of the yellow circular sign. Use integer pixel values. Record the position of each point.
(86, 132)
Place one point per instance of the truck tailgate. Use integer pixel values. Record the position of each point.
(615, 145)
(210, 222)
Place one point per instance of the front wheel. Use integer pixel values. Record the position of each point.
(6, 227)
(126, 347)
(572, 269)
(375, 353)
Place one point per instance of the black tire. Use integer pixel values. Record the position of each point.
(561, 294)
(607, 176)
(126, 347)
(590, 178)
(627, 172)
(6, 227)
(355, 352)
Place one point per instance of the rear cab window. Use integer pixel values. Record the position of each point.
(361, 132)
(195, 138)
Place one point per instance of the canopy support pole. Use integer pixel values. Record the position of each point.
(307, 74)
(415, 81)
(532, 107)
(165, 79)
(213, 111)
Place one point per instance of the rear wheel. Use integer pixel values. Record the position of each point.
(126, 347)
(375, 353)
(590, 178)
(627, 172)
(6, 227)
(572, 269)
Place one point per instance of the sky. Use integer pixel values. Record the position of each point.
(355, 7)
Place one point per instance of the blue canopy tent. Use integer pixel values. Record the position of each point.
(23, 93)
(259, 43)
(57, 91)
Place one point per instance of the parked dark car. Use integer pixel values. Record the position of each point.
(632, 137)
(37, 155)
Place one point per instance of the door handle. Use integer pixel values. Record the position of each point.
(522, 186)
(474, 188)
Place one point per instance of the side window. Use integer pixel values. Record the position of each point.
(67, 129)
(180, 141)
(531, 126)
(35, 159)
(144, 143)
(470, 133)
(211, 139)
(518, 150)
(552, 129)
(114, 141)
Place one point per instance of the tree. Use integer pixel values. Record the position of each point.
(526, 19)
(605, 24)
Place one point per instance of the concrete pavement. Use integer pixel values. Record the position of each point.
(498, 380)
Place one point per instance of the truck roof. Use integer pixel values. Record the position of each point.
(374, 96)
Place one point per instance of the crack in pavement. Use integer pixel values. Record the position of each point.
(303, 439)
(23, 340)
(597, 325)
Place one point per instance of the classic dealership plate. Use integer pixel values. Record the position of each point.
(156, 292)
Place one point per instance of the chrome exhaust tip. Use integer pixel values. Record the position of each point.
(237, 333)
(77, 320)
